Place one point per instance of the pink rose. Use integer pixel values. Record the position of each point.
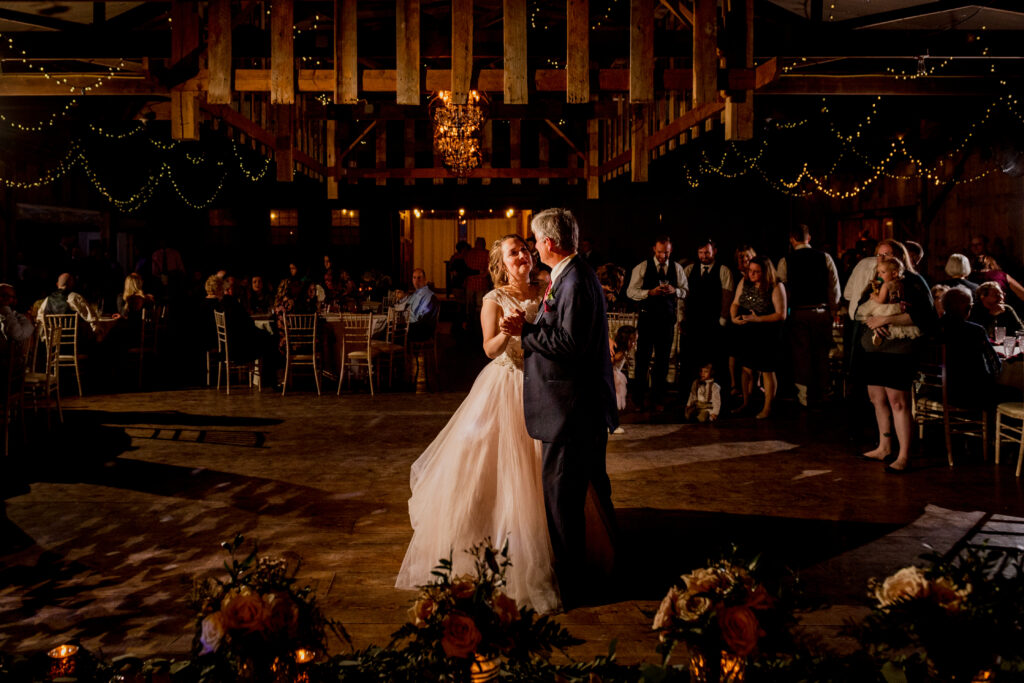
(281, 613)
(666, 611)
(243, 611)
(463, 587)
(505, 607)
(422, 610)
(461, 636)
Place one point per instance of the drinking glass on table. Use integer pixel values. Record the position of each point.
(1009, 346)
(999, 334)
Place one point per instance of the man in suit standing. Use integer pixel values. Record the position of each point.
(569, 395)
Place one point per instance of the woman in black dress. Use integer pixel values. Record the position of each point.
(888, 369)
(758, 311)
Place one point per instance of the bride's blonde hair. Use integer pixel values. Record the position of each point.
(496, 267)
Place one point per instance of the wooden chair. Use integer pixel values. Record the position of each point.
(926, 397)
(224, 355)
(930, 404)
(148, 332)
(426, 350)
(370, 306)
(971, 422)
(357, 346)
(301, 347)
(1011, 432)
(395, 340)
(69, 355)
(40, 386)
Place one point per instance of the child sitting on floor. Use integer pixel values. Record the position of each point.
(705, 402)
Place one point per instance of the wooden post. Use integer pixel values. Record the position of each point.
(282, 52)
(184, 40)
(515, 134)
(543, 154)
(487, 148)
(641, 51)
(346, 57)
(577, 58)
(462, 50)
(381, 151)
(219, 48)
(705, 46)
(410, 148)
(284, 147)
(331, 158)
(593, 159)
(638, 146)
(515, 52)
(739, 106)
(407, 42)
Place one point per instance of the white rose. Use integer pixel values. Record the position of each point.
(906, 584)
(213, 633)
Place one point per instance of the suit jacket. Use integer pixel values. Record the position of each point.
(568, 389)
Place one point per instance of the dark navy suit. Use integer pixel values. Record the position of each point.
(569, 398)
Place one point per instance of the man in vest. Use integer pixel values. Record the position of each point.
(812, 288)
(658, 284)
(64, 300)
(707, 311)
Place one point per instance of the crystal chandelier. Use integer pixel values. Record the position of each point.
(456, 130)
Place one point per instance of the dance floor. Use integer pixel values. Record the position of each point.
(119, 514)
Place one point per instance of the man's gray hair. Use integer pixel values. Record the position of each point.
(559, 226)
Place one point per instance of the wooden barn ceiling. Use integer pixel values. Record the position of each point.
(611, 83)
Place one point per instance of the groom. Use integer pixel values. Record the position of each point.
(569, 394)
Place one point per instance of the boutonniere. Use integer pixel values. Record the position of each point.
(549, 299)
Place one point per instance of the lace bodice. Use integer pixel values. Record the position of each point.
(513, 354)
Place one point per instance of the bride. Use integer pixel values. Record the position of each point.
(481, 476)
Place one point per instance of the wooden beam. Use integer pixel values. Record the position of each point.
(346, 86)
(577, 58)
(705, 47)
(331, 158)
(241, 123)
(641, 51)
(184, 115)
(380, 154)
(684, 122)
(184, 97)
(442, 173)
(593, 159)
(462, 50)
(514, 78)
(410, 148)
(515, 135)
(675, 11)
(407, 40)
(487, 148)
(543, 154)
(638, 145)
(218, 36)
(355, 142)
(739, 106)
(282, 52)
(284, 143)
(561, 134)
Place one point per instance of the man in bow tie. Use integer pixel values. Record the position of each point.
(659, 285)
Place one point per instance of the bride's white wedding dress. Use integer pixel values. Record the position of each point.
(480, 478)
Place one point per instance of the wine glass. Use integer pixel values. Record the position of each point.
(999, 334)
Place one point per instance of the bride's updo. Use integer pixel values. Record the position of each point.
(496, 267)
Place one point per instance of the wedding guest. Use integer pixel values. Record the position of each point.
(759, 311)
(992, 311)
(422, 305)
(132, 300)
(991, 272)
(657, 284)
(937, 292)
(742, 257)
(972, 365)
(623, 343)
(612, 278)
(705, 401)
(707, 307)
(916, 253)
(258, 299)
(958, 268)
(66, 300)
(13, 325)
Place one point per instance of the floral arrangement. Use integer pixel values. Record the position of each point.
(954, 620)
(463, 624)
(722, 612)
(257, 621)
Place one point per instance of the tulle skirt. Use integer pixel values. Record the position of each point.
(481, 478)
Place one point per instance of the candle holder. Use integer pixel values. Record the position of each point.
(63, 663)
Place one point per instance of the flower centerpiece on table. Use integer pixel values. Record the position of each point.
(954, 620)
(257, 622)
(722, 613)
(465, 625)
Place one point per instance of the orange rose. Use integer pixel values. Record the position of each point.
(463, 587)
(242, 611)
(461, 636)
(759, 598)
(422, 610)
(505, 607)
(740, 629)
(281, 613)
(948, 595)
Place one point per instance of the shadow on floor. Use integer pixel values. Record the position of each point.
(167, 417)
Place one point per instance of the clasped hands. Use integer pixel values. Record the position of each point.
(512, 325)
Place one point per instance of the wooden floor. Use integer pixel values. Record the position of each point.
(111, 520)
